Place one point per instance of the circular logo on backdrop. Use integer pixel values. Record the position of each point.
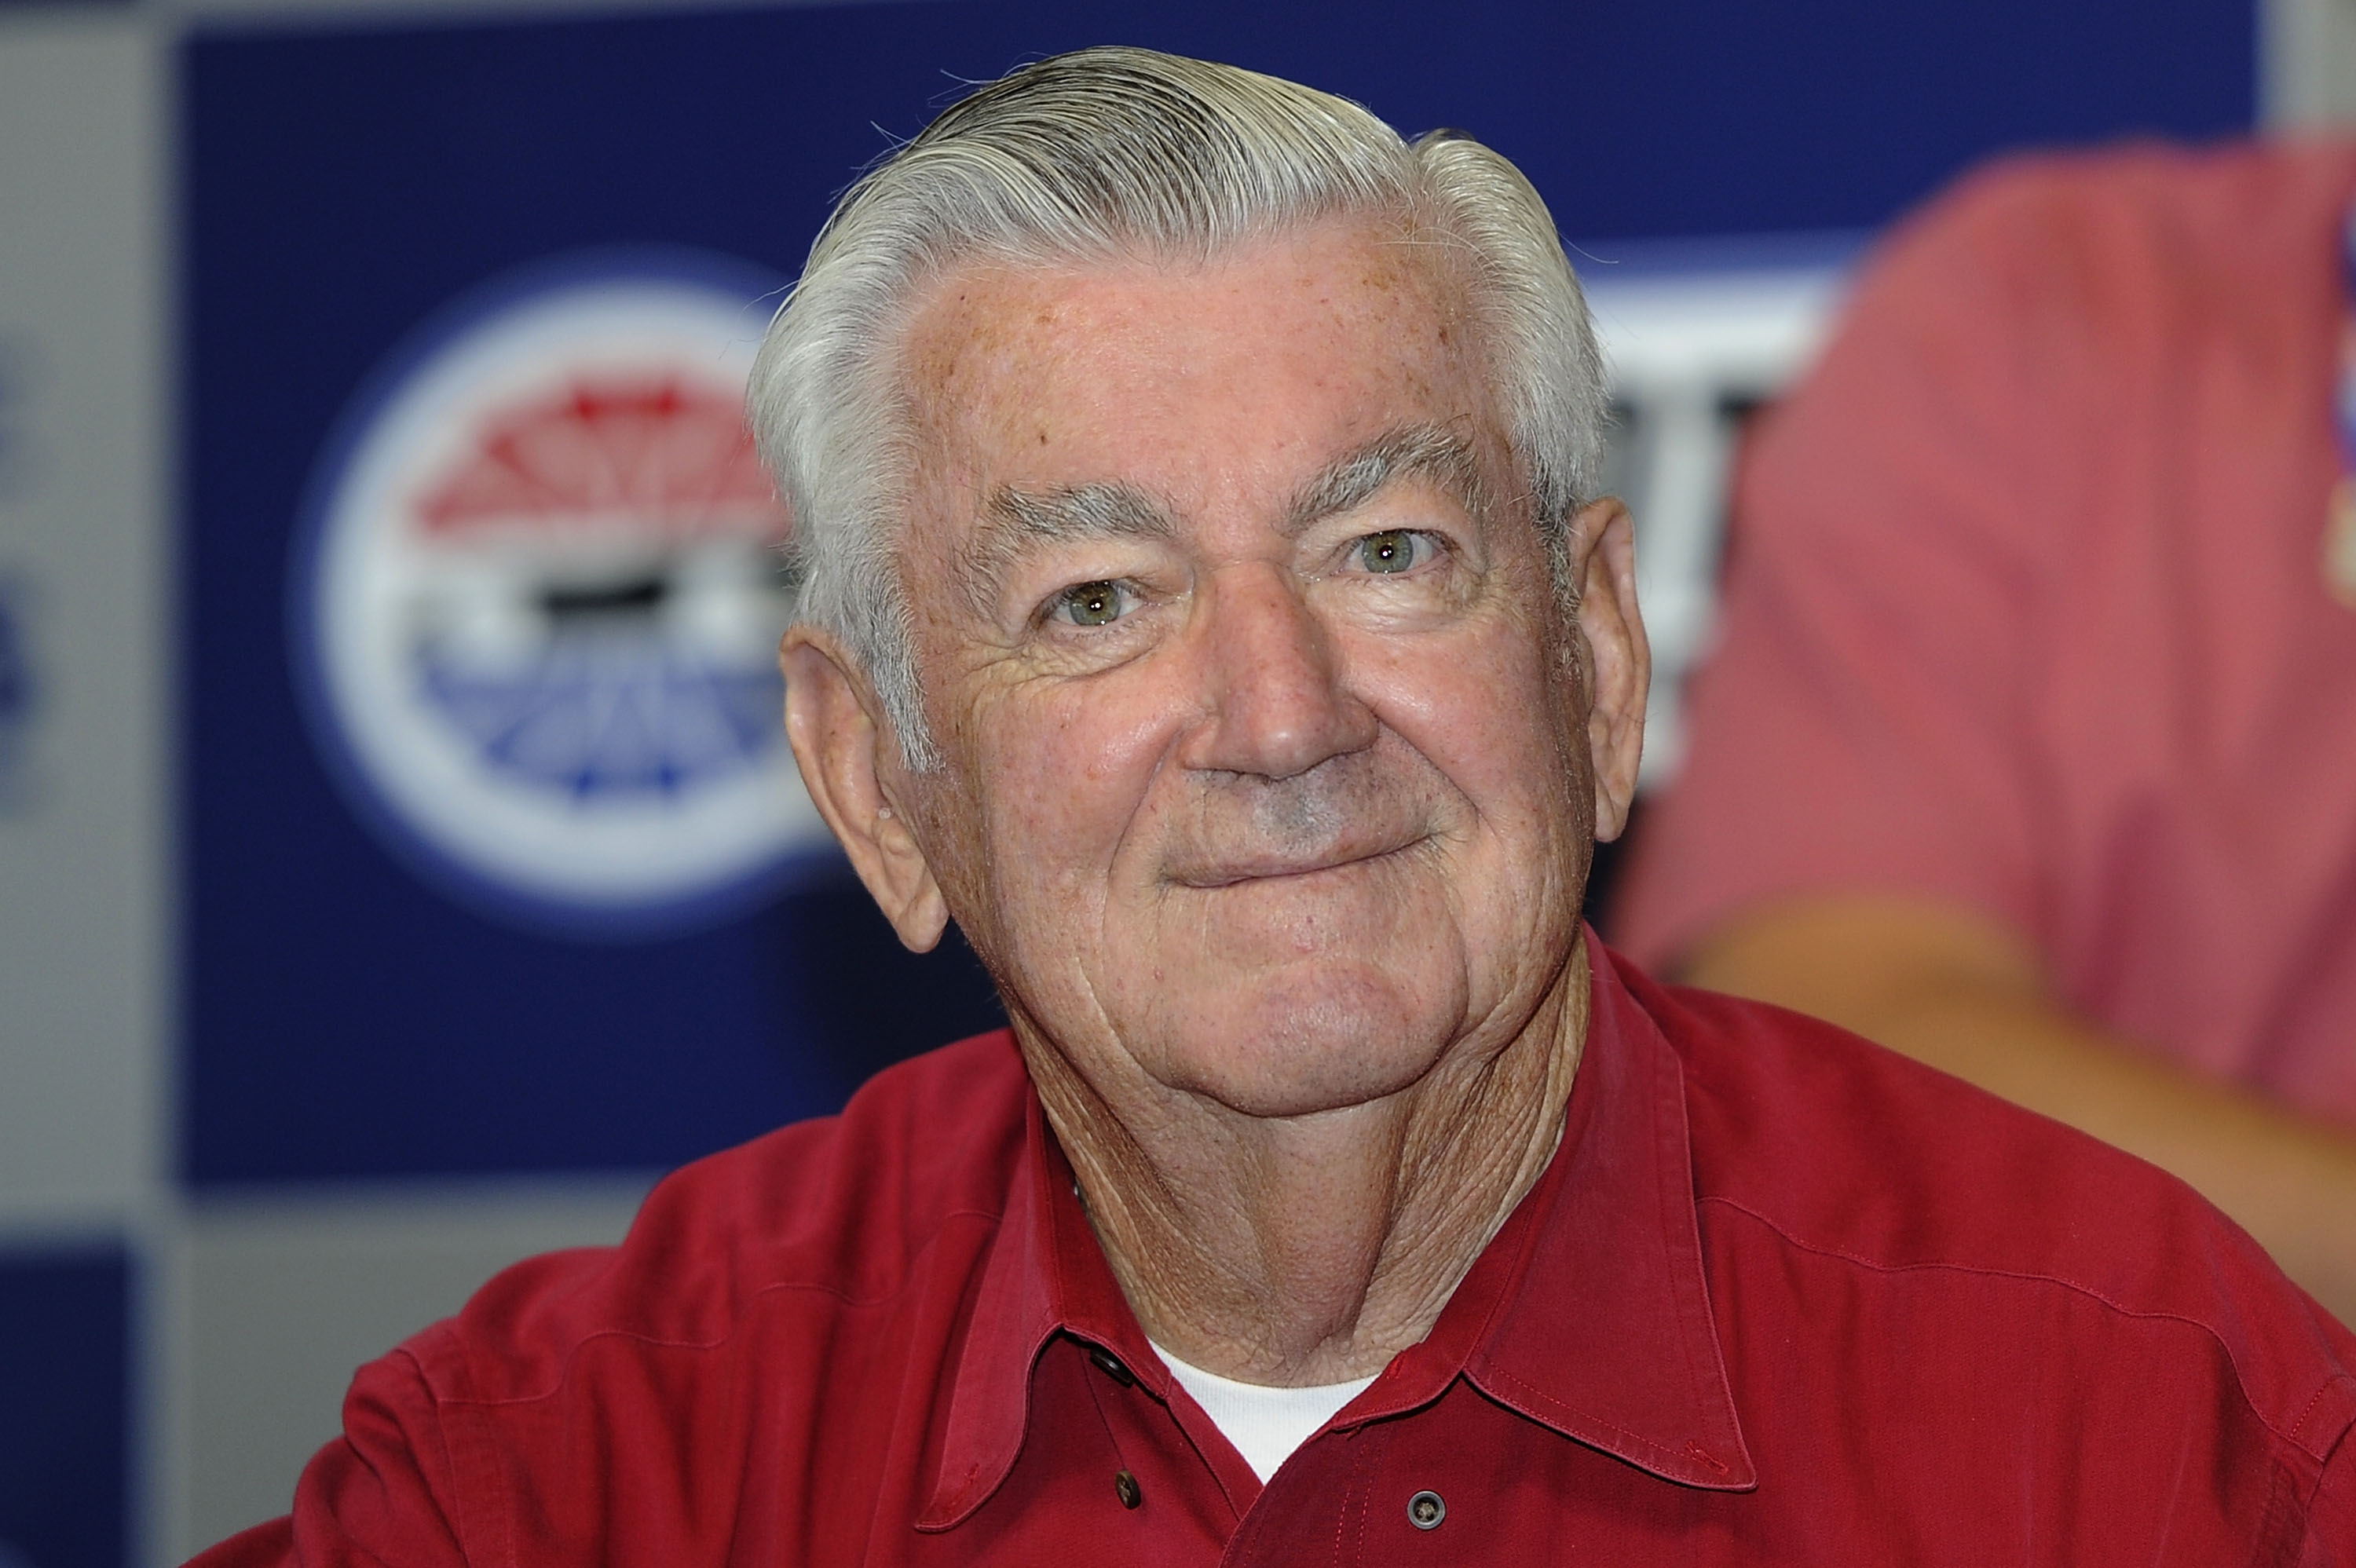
(537, 599)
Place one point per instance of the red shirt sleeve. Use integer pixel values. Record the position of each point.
(2331, 1517)
(1864, 723)
(380, 1494)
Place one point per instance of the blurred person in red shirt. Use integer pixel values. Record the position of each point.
(2029, 749)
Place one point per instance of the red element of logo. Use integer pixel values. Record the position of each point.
(656, 451)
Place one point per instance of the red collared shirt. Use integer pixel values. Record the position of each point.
(1780, 1297)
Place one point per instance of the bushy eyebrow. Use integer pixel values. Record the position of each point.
(1428, 452)
(1013, 520)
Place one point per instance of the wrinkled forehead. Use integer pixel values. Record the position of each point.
(1051, 371)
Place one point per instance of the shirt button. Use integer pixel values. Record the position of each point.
(1125, 1488)
(1425, 1511)
(1110, 1364)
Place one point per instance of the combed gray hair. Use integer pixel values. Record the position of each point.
(1095, 157)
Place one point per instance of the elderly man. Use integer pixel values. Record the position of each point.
(1208, 611)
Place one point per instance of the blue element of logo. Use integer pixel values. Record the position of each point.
(602, 715)
(19, 687)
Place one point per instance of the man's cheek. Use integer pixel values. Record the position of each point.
(1467, 708)
(1052, 805)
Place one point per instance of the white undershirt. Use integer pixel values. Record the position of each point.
(1266, 1425)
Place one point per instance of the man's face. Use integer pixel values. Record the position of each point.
(1266, 763)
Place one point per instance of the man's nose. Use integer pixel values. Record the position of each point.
(1279, 702)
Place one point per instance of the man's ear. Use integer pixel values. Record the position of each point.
(1619, 661)
(850, 764)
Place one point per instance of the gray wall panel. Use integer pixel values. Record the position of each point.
(82, 876)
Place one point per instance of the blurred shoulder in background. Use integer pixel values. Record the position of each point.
(2028, 747)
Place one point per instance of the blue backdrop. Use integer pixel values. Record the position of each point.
(64, 1406)
(343, 1019)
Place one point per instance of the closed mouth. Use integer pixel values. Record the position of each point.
(1278, 867)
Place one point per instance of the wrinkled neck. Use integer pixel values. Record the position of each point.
(1292, 1250)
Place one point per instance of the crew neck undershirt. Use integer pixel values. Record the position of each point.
(1266, 1425)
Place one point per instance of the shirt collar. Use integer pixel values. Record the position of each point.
(1589, 1312)
(1595, 1318)
(1045, 1276)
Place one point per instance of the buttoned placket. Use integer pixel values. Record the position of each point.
(1390, 1482)
(1348, 1484)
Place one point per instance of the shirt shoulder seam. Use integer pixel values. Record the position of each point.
(460, 1342)
(2290, 1436)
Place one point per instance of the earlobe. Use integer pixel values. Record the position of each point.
(1620, 660)
(849, 764)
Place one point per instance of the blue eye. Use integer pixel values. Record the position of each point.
(1092, 603)
(1392, 551)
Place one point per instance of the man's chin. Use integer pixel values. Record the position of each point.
(1260, 1057)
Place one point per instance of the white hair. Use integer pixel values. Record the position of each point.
(1095, 157)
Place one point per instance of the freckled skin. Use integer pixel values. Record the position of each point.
(1272, 824)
